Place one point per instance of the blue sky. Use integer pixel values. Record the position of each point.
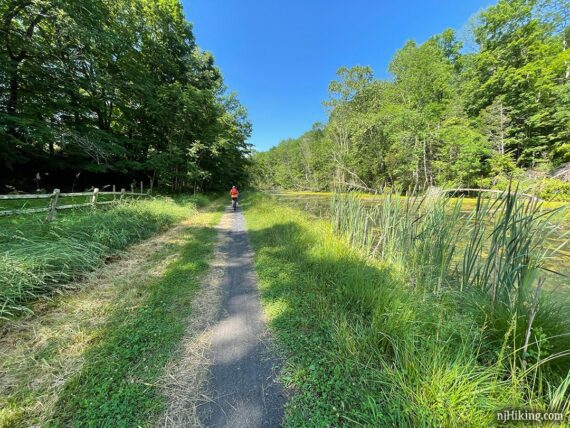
(280, 55)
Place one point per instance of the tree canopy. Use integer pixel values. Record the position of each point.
(114, 91)
(448, 115)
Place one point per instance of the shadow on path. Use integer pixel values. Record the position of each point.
(242, 386)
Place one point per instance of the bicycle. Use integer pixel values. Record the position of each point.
(234, 204)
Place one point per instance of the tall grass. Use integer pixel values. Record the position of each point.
(490, 263)
(364, 348)
(39, 259)
(419, 234)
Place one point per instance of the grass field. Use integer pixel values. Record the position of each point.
(364, 347)
(95, 357)
(39, 258)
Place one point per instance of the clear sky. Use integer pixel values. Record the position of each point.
(280, 55)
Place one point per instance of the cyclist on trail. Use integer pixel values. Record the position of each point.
(234, 194)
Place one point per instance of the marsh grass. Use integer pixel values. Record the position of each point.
(386, 331)
(419, 234)
(38, 259)
(499, 268)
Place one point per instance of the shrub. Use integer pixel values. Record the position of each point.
(552, 189)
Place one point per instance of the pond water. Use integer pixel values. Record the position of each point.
(318, 204)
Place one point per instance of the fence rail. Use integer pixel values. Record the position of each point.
(53, 201)
(496, 192)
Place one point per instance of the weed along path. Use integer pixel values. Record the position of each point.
(241, 387)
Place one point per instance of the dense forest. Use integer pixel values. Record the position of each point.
(96, 92)
(477, 112)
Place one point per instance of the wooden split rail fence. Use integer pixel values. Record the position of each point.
(53, 201)
(496, 192)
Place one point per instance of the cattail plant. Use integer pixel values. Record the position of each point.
(499, 250)
(418, 234)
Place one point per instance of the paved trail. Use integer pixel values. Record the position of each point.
(241, 385)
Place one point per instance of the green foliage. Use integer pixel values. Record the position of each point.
(368, 345)
(523, 47)
(553, 189)
(117, 383)
(459, 154)
(38, 259)
(304, 163)
(134, 94)
(500, 264)
(503, 165)
(447, 117)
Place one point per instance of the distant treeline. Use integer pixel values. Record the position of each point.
(454, 113)
(96, 92)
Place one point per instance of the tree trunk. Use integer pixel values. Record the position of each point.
(12, 104)
(14, 86)
(501, 114)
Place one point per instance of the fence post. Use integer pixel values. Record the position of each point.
(94, 197)
(132, 188)
(53, 205)
(142, 187)
(122, 194)
(114, 190)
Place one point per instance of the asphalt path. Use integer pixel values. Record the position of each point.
(242, 389)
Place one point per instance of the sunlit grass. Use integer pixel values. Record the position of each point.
(501, 258)
(368, 342)
(150, 286)
(39, 258)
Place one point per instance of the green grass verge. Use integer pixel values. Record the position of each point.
(365, 349)
(39, 258)
(95, 358)
(116, 386)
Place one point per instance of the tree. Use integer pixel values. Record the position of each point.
(447, 116)
(522, 60)
(496, 124)
(114, 89)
